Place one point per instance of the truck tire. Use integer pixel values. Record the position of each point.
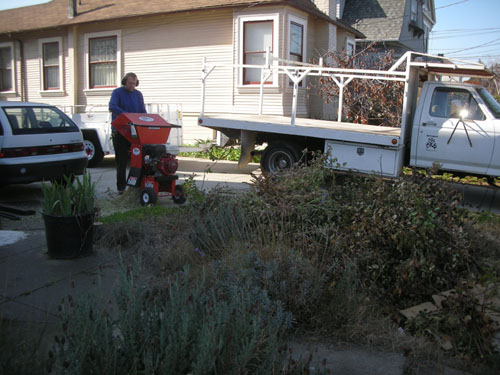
(92, 148)
(279, 156)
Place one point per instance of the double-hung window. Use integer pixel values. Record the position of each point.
(103, 61)
(51, 64)
(258, 39)
(6, 67)
(296, 42)
(257, 34)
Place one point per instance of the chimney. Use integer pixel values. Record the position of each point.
(71, 8)
(330, 7)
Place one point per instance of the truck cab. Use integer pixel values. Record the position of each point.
(457, 126)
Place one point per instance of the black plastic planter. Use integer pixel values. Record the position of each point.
(68, 236)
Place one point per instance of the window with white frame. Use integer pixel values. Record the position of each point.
(51, 64)
(102, 60)
(258, 38)
(258, 34)
(297, 40)
(6, 67)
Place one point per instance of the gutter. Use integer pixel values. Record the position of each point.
(72, 15)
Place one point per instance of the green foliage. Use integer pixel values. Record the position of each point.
(69, 199)
(218, 153)
(138, 214)
(188, 328)
(194, 194)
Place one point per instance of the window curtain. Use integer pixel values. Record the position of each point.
(103, 62)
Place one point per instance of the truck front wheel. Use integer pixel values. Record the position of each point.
(92, 148)
(278, 157)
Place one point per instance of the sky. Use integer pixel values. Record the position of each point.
(465, 29)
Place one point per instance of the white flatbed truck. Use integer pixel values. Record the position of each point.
(455, 125)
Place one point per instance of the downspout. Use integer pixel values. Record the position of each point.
(21, 74)
(73, 66)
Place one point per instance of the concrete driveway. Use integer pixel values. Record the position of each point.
(207, 174)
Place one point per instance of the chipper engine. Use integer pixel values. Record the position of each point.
(152, 166)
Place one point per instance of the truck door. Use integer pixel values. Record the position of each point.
(457, 144)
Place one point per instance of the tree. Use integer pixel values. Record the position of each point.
(366, 101)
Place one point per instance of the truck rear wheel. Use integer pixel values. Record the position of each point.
(278, 157)
(92, 148)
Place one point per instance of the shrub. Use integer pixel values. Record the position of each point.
(405, 237)
(188, 328)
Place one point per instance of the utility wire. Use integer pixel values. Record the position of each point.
(450, 5)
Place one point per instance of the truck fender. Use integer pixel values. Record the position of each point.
(247, 146)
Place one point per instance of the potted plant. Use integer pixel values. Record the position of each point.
(68, 212)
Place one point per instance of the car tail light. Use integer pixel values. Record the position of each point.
(17, 152)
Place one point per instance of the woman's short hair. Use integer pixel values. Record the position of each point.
(126, 76)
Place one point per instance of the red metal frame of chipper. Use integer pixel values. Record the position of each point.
(152, 167)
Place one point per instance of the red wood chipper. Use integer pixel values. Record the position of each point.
(152, 167)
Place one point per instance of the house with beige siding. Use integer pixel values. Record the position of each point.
(73, 53)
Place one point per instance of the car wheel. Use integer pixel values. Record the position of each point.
(93, 149)
(148, 197)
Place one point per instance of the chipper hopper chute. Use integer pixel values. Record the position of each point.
(152, 167)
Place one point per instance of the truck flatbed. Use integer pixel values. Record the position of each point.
(339, 131)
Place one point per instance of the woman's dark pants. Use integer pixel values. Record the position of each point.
(122, 147)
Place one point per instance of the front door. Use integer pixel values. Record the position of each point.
(457, 143)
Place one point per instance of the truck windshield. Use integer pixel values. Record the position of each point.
(490, 101)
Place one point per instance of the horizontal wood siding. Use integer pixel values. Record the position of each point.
(166, 53)
(33, 74)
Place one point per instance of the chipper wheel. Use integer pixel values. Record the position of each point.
(148, 196)
(179, 197)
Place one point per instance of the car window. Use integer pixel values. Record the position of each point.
(490, 101)
(38, 120)
(449, 103)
